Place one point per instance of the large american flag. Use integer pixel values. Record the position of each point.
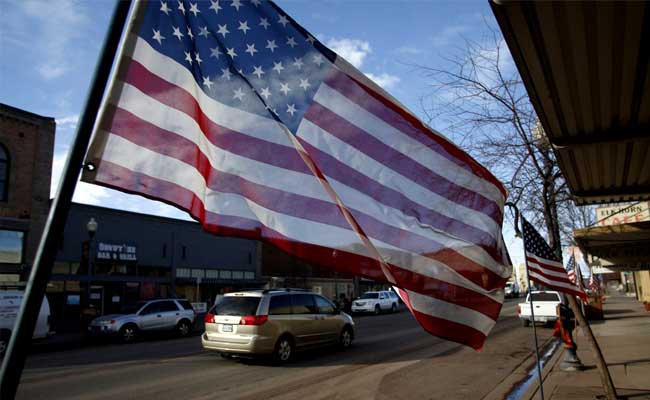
(544, 266)
(235, 113)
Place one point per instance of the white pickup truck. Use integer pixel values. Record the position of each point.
(544, 306)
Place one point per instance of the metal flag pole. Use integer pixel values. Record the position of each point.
(530, 301)
(21, 336)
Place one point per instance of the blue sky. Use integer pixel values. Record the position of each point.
(49, 50)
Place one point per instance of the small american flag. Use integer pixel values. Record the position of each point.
(594, 284)
(235, 113)
(544, 267)
(571, 269)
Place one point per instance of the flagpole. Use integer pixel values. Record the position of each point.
(530, 300)
(21, 336)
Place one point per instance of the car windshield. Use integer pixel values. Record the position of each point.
(370, 295)
(545, 296)
(236, 305)
(132, 308)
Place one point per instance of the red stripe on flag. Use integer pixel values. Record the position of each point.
(446, 329)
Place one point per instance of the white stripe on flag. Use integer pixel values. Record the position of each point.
(451, 312)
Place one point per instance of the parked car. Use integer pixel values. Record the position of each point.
(10, 301)
(274, 322)
(376, 302)
(545, 304)
(146, 316)
(511, 290)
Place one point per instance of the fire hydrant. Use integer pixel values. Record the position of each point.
(563, 329)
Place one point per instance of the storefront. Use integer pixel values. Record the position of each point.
(110, 258)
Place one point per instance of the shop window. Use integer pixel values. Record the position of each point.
(197, 273)
(182, 272)
(225, 274)
(212, 274)
(11, 246)
(4, 173)
(237, 275)
(249, 275)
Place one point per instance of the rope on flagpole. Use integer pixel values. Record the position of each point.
(530, 301)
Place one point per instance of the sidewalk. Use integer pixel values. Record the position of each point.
(624, 338)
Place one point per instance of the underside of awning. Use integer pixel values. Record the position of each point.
(624, 247)
(586, 68)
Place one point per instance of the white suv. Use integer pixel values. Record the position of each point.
(376, 302)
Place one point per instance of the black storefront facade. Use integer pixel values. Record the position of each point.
(109, 258)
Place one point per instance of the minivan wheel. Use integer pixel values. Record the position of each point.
(128, 333)
(377, 310)
(525, 322)
(345, 340)
(183, 328)
(283, 350)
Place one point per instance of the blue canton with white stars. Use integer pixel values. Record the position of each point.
(245, 54)
(535, 244)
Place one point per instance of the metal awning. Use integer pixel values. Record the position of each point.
(586, 68)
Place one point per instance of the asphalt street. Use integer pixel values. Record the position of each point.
(392, 357)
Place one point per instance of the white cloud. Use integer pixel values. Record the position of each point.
(51, 71)
(353, 50)
(67, 122)
(384, 80)
(410, 50)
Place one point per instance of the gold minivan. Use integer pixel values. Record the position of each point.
(274, 322)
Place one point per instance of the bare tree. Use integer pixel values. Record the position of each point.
(479, 98)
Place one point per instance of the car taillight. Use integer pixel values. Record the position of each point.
(518, 310)
(253, 320)
(209, 318)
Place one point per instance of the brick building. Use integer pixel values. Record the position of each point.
(26, 151)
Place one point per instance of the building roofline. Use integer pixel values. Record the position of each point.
(13, 111)
(134, 213)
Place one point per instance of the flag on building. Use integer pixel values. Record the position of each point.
(544, 267)
(235, 113)
(571, 269)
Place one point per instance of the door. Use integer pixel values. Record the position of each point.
(303, 319)
(329, 321)
(150, 317)
(170, 313)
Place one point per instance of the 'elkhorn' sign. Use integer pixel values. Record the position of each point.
(117, 252)
(623, 213)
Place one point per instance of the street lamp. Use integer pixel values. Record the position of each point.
(91, 228)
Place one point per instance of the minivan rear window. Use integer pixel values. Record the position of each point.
(545, 296)
(235, 305)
